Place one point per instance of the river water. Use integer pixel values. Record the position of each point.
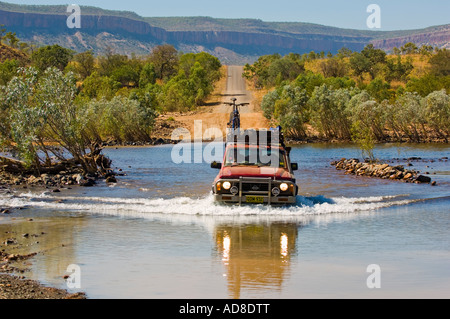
(158, 234)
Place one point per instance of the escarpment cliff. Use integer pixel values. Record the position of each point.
(435, 36)
(233, 41)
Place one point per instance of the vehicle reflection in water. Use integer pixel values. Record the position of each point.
(256, 257)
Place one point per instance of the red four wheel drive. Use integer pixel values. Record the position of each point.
(256, 169)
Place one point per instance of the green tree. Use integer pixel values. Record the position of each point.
(312, 55)
(42, 112)
(363, 136)
(292, 111)
(51, 56)
(440, 63)
(147, 76)
(199, 83)
(370, 60)
(309, 81)
(21, 122)
(427, 84)
(340, 82)
(84, 64)
(344, 53)
(98, 87)
(410, 116)
(380, 90)
(360, 64)
(177, 94)
(8, 70)
(374, 55)
(110, 61)
(165, 59)
(409, 48)
(208, 62)
(333, 67)
(437, 112)
(268, 103)
(397, 70)
(259, 71)
(12, 39)
(126, 75)
(120, 118)
(426, 50)
(328, 112)
(286, 68)
(367, 122)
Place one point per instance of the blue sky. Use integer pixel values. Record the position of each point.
(395, 14)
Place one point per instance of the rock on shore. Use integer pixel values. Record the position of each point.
(385, 171)
(62, 179)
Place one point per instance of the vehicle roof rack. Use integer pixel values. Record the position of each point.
(266, 137)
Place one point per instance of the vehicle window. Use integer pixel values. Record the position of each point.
(255, 156)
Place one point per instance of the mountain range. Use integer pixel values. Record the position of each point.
(233, 41)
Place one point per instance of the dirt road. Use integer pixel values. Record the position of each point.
(216, 116)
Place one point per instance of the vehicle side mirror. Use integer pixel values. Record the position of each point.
(216, 165)
(294, 166)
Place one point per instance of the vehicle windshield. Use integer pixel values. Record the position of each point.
(255, 157)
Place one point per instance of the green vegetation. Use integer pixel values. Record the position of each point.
(365, 96)
(62, 104)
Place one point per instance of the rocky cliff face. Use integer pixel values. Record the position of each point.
(127, 35)
(56, 24)
(438, 37)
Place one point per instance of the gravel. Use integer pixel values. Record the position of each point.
(13, 287)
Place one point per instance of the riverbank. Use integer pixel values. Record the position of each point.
(55, 176)
(14, 286)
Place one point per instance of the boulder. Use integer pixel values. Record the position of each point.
(111, 179)
(423, 179)
(86, 182)
(407, 176)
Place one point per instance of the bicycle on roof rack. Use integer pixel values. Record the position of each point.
(235, 117)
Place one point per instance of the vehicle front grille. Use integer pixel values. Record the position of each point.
(255, 187)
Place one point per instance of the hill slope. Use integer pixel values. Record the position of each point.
(8, 53)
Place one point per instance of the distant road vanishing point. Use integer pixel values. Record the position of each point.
(219, 115)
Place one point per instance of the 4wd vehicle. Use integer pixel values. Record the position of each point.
(256, 169)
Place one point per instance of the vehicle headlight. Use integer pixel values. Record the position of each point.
(234, 190)
(284, 187)
(226, 185)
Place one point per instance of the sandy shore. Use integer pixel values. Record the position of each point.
(13, 287)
